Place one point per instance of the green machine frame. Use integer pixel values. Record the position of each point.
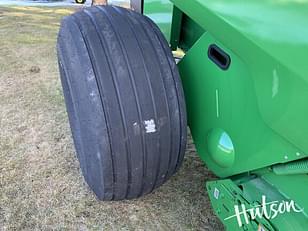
(245, 79)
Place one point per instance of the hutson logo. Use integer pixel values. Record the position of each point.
(268, 210)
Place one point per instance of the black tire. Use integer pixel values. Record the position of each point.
(124, 100)
(80, 1)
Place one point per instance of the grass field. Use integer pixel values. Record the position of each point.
(41, 187)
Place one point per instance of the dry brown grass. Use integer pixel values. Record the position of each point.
(41, 187)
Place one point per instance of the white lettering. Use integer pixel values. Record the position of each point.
(275, 208)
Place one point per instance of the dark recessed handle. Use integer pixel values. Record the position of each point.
(219, 57)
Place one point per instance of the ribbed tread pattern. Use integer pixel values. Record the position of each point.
(124, 100)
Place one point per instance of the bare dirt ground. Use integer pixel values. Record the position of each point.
(41, 187)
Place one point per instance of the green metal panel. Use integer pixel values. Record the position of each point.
(225, 194)
(190, 33)
(184, 31)
(225, 102)
(160, 11)
(293, 187)
(260, 102)
(252, 115)
(179, 29)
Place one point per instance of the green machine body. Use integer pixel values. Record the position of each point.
(245, 77)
